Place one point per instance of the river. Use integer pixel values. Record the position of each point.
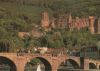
(58, 70)
(34, 69)
(65, 70)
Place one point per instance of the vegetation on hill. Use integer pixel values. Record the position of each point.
(32, 8)
(63, 38)
(20, 15)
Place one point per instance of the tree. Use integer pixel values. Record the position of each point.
(98, 45)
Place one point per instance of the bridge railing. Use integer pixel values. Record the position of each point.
(33, 54)
(11, 54)
(37, 54)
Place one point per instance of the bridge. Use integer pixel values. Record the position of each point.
(52, 62)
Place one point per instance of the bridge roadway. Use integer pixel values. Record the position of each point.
(51, 62)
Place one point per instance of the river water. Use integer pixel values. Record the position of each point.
(34, 69)
(65, 70)
(58, 70)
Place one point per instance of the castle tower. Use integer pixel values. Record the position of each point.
(78, 24)
(45, 20)
(98, 26)
(91, 24)
(70, 18)
(52, 25)
(83, 22)
(70, 24)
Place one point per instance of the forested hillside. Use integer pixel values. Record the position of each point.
(20, 15)
(33, 8)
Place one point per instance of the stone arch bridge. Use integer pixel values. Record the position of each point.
(18, 62)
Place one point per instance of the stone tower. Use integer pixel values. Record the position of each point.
(98, 26)
(70, 24)
(45, 20)
(70, 18)
(78, 23)
(91, 24)
(52, 24)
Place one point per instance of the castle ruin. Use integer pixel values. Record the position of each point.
(66, 21)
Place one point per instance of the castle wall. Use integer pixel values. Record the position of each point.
(66, 21)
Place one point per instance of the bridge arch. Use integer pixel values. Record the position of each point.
(92, 66)
(74, 64)
(45, 62)
(8, 62)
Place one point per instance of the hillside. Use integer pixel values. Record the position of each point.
(33, 8)
(20, 15)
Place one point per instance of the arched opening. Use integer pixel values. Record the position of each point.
(68, 65)
(7, 65)
(92, 66)
(33, 64)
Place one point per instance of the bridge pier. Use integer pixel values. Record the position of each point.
(54, 68)
(20, 68)
(20, 63)
(97, 66)
(55, 63)
(86, 64)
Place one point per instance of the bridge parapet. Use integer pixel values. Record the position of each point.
(4, 54)
(8, 55)
(37, 54)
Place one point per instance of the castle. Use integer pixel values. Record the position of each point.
(66, 21)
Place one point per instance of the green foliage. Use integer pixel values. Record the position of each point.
(32, 8)
(75, 38)
(35, 61)
(20, 15)
(58, 38)
(55, 40)
(98, 45)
